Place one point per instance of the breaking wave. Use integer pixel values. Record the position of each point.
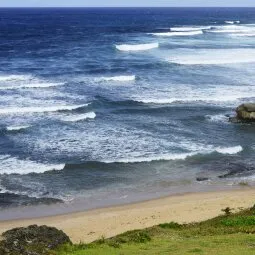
(75, 118)
(232, 29)
(18, 110)
(178, 156)
(217, 118)
(122, 78)
(185, 33)
(13, 165)
(17, 128)
(15, 77)
(189, 28)
(215, 57)
(232, 21)
(137, 47)
(229, 150)
(32, 85)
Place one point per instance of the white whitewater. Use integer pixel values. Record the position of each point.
(32, 85)
(16, 128)
(14, 77)
(186, 33)
(189, 28)
(179, 156)
(42, 109)
(232, 22)
(122, 78)
(137, 47)
(214, 57)
(80, 117)
(13, 165)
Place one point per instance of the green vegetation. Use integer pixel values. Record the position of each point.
(230, 234)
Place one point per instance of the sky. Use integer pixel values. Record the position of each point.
(122, 3)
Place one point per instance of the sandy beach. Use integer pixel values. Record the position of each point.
(193, 207)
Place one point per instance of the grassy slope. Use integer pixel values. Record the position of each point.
(224, 235)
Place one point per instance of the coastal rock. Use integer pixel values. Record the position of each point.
(36, 240)
(245, 113)
(202, 179)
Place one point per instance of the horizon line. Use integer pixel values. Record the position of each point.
(127, 6)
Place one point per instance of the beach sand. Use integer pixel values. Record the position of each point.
(107, 222)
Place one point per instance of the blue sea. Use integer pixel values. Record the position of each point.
(116, 105)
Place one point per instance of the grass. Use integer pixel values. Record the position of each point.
(230, 234)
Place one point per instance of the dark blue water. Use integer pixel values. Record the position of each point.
(108, 106)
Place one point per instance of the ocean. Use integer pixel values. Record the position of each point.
(105, 106)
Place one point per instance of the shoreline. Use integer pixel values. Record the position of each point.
(90, 225)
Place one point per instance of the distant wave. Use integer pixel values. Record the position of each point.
(185, 33)
(16, 128)
(215, 98)
(232, 22)
(17, 110)
(122, 78)
(178, 156)
(189, 28)
(13, 165)
(32, 85)
(227, 29)
(137, 47)
(15, 77)
(215, 57)
(75, 118)
(252, 34)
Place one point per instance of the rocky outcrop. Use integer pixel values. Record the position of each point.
(245, 113)
(33, 240)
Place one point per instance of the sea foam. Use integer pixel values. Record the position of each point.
(17, 128)
(230, 29)
(80, 117)
(32, 85)
(189, 28)
(42, 109)
(214, 57)
(229, 150)
(185, 33)
(218, 118)
(13, 77)
(122, 78)
(179, 156)
(232, 21)
(13, 165)
(137, 47)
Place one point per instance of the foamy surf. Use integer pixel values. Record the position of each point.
(17, 128)
(186, 33)
(137, 47)
(42, 109)
(179, 156)
(122, 78)
(214, 57)
(231, 29)
(243, 34)
(80, 117)
(232, 22)
(229, 150)
(218, 118)
(14, 77)
(189, 28)
(13, 165)
(32, 85)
